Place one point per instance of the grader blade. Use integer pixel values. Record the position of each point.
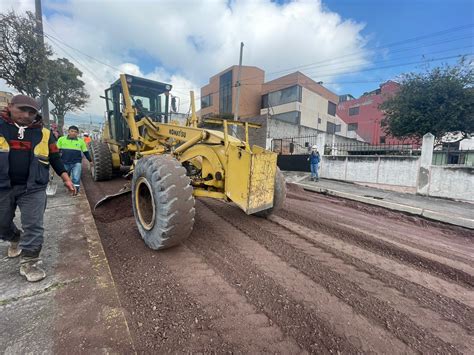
(125, 190)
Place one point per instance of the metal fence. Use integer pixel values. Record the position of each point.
(367, 149)
(293, 145)
(453, 157)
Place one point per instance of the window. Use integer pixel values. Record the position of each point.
(331, 128)
(331, 108)
(290, 117)
(354, 111)
(319, 120)
(352, 126)
(225, 93)
(382, 140)
(265, 101)
(338, 128)
(206, 101)
(281, 97)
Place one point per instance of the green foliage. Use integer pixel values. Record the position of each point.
(25, 63)
(67, 92)
(23, 58)
(439, 101)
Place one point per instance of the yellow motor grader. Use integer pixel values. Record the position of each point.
(172, 164)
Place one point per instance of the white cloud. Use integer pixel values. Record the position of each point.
(186, 42)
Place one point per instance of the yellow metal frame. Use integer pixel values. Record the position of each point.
(230, 168)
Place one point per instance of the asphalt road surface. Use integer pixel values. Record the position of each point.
(323, 275)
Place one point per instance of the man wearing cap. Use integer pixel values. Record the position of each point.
(72, 148)
(27, 149)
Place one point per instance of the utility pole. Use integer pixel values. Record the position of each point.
(43, 85)
(237, 84)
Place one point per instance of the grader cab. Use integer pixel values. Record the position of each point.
(172, 164)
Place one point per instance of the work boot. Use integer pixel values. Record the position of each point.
(14, 248)
(30, 267)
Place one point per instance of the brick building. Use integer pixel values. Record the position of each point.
(293, 105)
(363, 115)
(218, 97)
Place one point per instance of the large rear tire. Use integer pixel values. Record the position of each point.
(279, 195)
(163, 201)
(101, 156)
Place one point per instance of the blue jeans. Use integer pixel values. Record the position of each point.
(314, 171)
(74, 170)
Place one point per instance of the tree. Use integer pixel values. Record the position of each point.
(439, 101)
(23, 58)
(67, 92)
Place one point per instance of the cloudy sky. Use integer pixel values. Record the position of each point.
(349, 45)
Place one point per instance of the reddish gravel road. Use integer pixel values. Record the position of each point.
(323, 275)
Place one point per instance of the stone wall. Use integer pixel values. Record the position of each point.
(455, 182)
(387, 170)
(410, 172)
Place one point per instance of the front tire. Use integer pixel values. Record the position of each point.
(163, 201)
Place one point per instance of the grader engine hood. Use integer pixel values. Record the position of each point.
(252, 182)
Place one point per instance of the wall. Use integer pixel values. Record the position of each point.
(313, 107)
(275, 129)
(416, 173)
(455, 182)
(386, 170)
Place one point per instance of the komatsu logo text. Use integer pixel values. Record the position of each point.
(177, 133)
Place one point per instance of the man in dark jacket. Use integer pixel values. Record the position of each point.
(26, 151)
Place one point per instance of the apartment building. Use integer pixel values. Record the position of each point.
(293, 105)
(219, 96)
(299, 100)
(364, 116)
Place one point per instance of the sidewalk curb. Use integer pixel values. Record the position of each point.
(436, 216)
(103, 273)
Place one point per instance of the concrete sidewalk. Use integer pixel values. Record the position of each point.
(76, 308)
(442, 210)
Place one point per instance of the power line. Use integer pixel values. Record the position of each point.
(376, 68)
(354, 82)
(342, 70)
(414, 39)
(389, 45)
(330, 62)
(77, 61)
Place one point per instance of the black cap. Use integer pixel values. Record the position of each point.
(25, 101)
(74, 128)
